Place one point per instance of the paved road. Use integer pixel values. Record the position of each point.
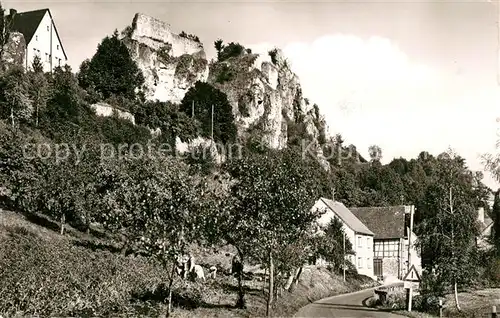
(344, 306)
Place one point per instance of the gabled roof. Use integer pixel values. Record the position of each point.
(347, 216)
(27, 23)
(385, 222)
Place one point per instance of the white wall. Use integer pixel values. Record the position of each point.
(41, 42)
(365, 251)
(415, 255)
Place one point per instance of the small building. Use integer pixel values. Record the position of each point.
(356, 232)
(391, 228)
(41, 37)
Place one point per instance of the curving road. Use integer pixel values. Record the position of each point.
(344, 306)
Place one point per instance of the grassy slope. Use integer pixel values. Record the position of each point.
(80, 275)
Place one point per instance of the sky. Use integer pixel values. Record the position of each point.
(404, 75)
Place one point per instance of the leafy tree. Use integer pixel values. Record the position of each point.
(36, 65)
(448, 228)
(154, 203)
(273, 195)
(495, 233)
(203, 96)
(66, 112)
(14, 96)
(111, 71)
(38, 90)
(375, 153)
(226, 51)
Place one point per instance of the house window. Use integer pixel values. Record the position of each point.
(47, 28)
(59, 61)
(46, 57)
(360, 243)
(36, 37)
(369, 263)
(58, 46)
(360, 262)
(389, 248)
(368, 243)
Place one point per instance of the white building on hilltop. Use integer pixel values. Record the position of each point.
(41, 36)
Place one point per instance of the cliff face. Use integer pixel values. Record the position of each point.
(170, 63)
(266, 99)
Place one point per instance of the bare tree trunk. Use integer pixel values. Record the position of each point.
(241, 291)
(456, 297)
(12, 117)
(297, 275)
(172, 275)
(271, 285)
(63, 220)
(453, 250)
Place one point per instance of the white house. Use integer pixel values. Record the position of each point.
(41, 36)
(357, 233)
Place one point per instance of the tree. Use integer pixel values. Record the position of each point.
(273, 194)
(155, 205)
(4, 32)
(375, 153)
(495, 233)
(202, 97)
(36, 65)
(448, 227)
(14, 97)
(111, 71)
(39, 89)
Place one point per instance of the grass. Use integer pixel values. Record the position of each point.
(477, 303)
(78, 274)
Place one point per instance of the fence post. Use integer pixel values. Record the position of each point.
(494, 312)
(440, 308)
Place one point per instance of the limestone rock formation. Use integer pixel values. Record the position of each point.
(266, 99)
(170, 63)
(106, 110)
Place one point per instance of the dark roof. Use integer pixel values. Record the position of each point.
(347, 216)
(385, 222)
(27, 23)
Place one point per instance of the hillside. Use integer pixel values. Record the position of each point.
(79, 274)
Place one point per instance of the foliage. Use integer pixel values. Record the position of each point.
(171, 122)
(448, 230)
(225, 74)
(112, 71)
(121, 131)
(273, 54)
(36, 65)
(205, 96)
(227, 51)
(190, 36)
(495, 231)
(329, 245)
(15, 101)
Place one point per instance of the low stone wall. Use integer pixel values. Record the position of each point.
(106, 110)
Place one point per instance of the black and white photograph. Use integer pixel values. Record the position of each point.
(250, 158)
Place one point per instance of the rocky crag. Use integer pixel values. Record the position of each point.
(266, 99)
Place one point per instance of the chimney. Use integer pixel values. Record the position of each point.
(480, 215)
(12, 12)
